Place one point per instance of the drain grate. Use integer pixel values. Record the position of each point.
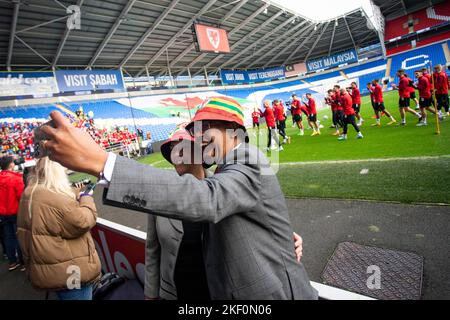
(355, 267)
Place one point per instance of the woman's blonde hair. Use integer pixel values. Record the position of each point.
(52, 176)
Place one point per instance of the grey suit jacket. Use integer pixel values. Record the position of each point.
(163, 242)
(248, 247)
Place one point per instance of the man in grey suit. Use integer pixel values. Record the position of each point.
(248, 248)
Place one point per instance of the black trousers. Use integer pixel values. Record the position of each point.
(350, 120)
(190, 273)
(12, 247)
(335, 118)
(281, 126)
(338, 118)
(2, 239)
(442, 101)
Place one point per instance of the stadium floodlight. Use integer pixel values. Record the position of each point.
(265, 11)
(315, 27)
(336, 23)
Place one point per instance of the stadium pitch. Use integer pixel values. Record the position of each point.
(398, 163)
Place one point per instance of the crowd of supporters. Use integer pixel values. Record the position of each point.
(16, 138)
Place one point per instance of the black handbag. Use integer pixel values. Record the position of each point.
(106, 285)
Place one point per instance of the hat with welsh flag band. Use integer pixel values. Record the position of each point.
(222, 109)
(179, 134)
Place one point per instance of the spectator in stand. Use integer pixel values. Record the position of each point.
(441, 85)
(54, 221)
(349, 114)
(11, 188)
(140, 133)
(80, 113)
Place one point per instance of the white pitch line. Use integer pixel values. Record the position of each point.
(157, 162)
(360, 160)
(346, 161)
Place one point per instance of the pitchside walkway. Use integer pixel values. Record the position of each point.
(323, 224)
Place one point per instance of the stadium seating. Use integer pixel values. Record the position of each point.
(110, 109)
(320, 77)
(158, 132)
(27, 112)
(421, 20)
(418, 58)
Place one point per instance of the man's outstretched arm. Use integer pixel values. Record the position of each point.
(234, 190)
(185, 197)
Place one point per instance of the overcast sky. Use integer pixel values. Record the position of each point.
(321, 9)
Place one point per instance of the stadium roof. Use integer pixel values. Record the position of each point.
(392, 9)
(141, 35)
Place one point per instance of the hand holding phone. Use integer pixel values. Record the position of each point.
(89, 191)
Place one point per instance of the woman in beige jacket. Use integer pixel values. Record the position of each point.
(53, 231)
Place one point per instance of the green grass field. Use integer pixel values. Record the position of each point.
(419, 180)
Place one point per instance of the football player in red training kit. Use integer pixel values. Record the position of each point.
(349, 115)
(425, 97)
(370, 89)
(441, 86)
(312, 114)
(256, 114)
(378, 104)
(280, 118)
(271, 126)
(356, 97)
(296, 110)
(427, 74)
(339, 109)
(329, 101)
(404, 94)
(412, 92)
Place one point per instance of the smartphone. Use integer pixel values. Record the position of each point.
(90, 188)
(39, 136)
